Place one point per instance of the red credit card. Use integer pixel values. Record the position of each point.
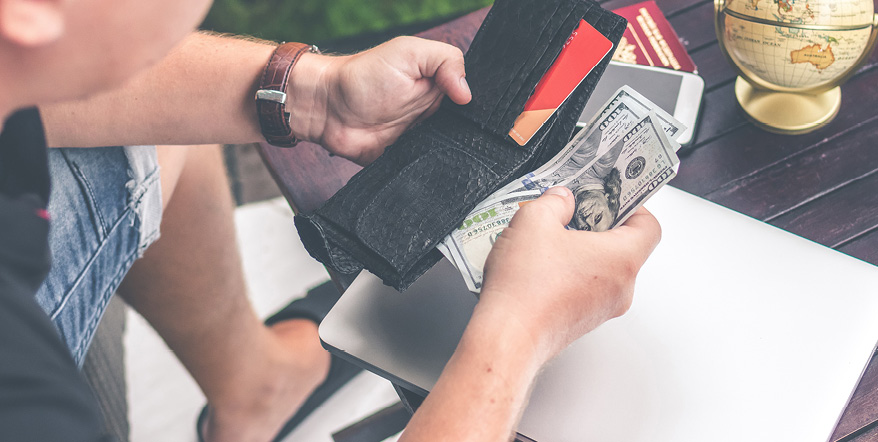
(585, 48)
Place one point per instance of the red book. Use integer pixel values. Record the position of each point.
(650, 40)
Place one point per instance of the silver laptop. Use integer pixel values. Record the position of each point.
(739, 332)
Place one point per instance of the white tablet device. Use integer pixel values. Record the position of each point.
(678, 93)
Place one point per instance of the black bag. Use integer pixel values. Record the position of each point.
(390, 216)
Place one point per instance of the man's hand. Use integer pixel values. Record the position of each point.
(544, 287)
(357, 105)
(202, 93)
(560, 284)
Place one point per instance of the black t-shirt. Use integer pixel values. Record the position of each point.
(42, 395)
(24, 192)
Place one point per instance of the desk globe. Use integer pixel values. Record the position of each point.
(792, 55)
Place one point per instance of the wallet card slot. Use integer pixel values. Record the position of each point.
(516, 103)
(498, 54)
(506, 59)
(516, 79)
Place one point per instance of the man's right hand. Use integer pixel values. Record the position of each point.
(544, 287)
(559, 284)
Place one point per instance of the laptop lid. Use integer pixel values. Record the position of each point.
(738, 331)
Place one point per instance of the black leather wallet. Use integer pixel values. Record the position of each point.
(390, 216)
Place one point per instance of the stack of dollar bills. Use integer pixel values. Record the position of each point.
(622, 157)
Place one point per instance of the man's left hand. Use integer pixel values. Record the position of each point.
(357, 105)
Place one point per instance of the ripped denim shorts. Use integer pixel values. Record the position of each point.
(105, 209)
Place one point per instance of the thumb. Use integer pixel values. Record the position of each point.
(555, 205)
(445, 64)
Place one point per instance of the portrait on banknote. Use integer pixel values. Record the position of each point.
(597, 190)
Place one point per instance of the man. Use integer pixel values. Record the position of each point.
(56, 50)
(189, 284)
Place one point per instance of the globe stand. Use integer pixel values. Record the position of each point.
(787, 113)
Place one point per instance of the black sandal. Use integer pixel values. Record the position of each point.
(314, 306)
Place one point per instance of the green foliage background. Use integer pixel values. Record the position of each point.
(319, 20)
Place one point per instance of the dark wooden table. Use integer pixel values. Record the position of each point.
(822, 185)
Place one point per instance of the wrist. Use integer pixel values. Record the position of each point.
(502, 333)
(308, 89)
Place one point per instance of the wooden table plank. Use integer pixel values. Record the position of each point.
(869, 434)
(712, 67)
(864, 399)
(749, 149)
(865, 247)
(781, 187)
(720, 115)
(836, 218)
(695, 26)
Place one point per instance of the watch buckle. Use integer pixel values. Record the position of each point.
(271, 95)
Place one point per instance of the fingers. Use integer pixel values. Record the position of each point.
(451, 76)
(443, 63)
(458, 92)
(560, 202)
(555, 206)
(643, 232)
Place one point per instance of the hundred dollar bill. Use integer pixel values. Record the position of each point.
(590, 148)
(637, 104)
(617, 116)
(672, 126)
(442, 247)
(607, 192)
(468, 246)
(616, 185)
(577, 154)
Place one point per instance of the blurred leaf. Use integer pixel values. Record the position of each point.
(320, 20)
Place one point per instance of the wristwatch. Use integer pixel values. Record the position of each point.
(271, 96)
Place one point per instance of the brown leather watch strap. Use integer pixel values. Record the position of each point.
(271, 97)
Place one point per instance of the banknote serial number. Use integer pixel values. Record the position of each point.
(488, 226)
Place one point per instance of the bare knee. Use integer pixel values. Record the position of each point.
(178, 160)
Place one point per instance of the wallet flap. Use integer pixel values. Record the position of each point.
(435, 184)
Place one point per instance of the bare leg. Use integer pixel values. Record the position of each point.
(189, 285)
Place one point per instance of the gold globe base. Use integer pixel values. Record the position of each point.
(787, 113)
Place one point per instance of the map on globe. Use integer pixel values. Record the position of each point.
(788, 54)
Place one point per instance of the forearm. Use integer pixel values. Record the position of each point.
(483, 390)
(202, 92)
